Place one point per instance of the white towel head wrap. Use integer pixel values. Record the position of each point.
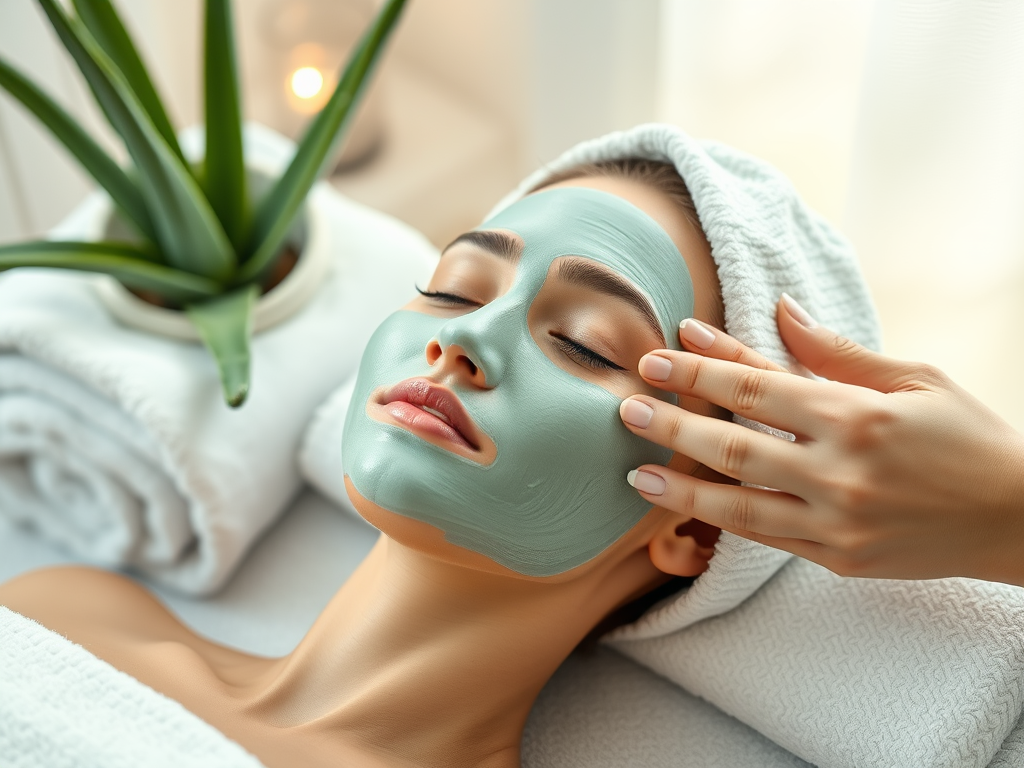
(764, 240)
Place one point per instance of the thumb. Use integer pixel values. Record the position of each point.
(835, 357)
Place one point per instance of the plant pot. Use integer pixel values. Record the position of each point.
(266, 155)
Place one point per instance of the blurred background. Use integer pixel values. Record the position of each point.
(901, 121)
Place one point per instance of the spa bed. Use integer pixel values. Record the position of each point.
(601, 709)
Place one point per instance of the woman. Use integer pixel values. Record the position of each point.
(504, 543)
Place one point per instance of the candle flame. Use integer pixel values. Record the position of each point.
(307, 82)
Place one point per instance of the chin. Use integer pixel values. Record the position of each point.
(426, 539)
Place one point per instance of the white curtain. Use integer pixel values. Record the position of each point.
(902, 121)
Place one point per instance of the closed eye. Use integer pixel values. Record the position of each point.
(450, 299)
(584, 355)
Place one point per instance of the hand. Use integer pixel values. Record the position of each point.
(895, 471)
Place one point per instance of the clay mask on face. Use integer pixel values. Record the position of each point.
(556, 494)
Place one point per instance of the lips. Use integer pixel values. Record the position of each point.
(423, 406)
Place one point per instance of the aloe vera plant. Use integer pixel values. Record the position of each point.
(202, 243)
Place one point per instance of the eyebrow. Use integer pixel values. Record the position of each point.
(587, 274)
(501, 244)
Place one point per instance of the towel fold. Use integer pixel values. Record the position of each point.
(61, 707)
(117, 444)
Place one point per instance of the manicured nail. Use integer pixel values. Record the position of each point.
(648, 482)
(799, 314)
(655, 367)
(696, 334)
(636, 413)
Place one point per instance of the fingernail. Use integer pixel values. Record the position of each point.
(636, 413)
(799, 314)
(655, 367)
(648, 482)
(696, 334)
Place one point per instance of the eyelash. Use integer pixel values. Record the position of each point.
(573, 349)
(451, 299)
(587, 356)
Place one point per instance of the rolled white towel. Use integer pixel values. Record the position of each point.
(117, 444)
(320, 455)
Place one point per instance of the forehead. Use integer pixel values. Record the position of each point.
(576, 221)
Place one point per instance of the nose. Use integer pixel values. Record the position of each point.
(455, 361)
(475, 346)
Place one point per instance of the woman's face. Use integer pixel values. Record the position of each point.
(488, 407)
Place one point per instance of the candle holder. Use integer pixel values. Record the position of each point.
(296, 49)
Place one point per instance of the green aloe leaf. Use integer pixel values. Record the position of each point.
(277, 211)
(101, 19)
(134, 267)
(187, 230)
(225, 325)
(94, 160)
(225, 168)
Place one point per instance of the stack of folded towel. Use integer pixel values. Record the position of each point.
(116, 443)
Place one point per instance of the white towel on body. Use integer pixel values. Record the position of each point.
(117, 444)
(61, 707)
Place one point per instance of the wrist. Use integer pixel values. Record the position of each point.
(1008, 520)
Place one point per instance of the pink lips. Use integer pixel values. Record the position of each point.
(426, 407)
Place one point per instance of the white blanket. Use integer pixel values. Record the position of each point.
(61, 707)
(117, 444)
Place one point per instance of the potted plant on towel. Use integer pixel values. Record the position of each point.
(193, 239)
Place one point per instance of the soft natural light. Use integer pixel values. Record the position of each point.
(307, 82)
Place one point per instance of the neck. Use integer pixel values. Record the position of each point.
(418, 661)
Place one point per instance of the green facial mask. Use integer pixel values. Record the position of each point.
(556, 495)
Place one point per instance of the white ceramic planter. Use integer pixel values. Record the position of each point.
(266, 156)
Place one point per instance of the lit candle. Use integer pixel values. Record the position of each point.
(297, 49)
(307, 82)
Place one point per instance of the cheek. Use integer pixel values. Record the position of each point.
(399, 341)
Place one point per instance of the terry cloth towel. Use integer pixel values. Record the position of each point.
(320, 454)
(117, 444)
(61, 707)
(843, 672)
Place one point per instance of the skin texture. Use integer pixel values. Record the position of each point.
(896, 472)
(430, 654)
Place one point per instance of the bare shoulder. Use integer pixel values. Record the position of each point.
(75, 600)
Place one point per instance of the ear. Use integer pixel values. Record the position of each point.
(682, 546)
